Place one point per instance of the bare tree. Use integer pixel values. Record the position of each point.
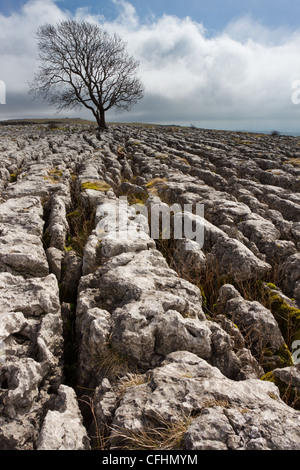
(83, 65)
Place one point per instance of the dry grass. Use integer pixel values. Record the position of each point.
(156, 186)
(81, 224)
(100, 439)
(111, 364)
(155, 181)
(131, 380)
(293, 161)
(162, 436)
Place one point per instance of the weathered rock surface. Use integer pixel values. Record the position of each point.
(62, 427)
(112, 324)
(228, 415)
(255, 321)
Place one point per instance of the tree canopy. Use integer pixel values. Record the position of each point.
(84, 65)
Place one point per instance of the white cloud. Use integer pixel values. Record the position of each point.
(247, 28)
(243, 73)
(127, 14)
(18, 45)
(83, 13)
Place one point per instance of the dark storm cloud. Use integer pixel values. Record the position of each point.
(244, 73)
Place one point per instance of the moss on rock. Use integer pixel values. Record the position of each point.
(96, 186)
(287, 316)
(288, 394)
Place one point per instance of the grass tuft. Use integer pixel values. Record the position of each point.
(96, 186)
(162, 436)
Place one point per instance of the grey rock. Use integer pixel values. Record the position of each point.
(227, 415)
(71, 273)
(21, 249)
(258, 229)
(57, 227)
(33, 297)
(289, 375)
(54, 257)
(291, 276)
(147, 353)
(23, 379)
(235, 259)
(93, 327)
(25, 212)
(188, 258)
(119, 229)
(62, 427)
(21, 253)
(212, 430)
(255, 321)
(154, 312)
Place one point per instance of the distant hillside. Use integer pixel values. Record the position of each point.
(18, 122)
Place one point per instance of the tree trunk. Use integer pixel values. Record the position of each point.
(101, 119)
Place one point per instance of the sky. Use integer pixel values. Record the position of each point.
(221, 64)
